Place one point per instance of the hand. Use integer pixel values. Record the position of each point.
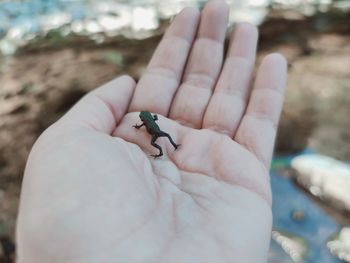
(91, 193)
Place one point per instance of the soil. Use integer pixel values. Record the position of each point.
(41, 83)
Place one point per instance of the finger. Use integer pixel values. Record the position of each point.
(103, 108)
(203, 67)
(257, 129)
(229, 100)
(157, 86)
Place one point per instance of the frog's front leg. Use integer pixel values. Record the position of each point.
(155, 117)
(138, 126)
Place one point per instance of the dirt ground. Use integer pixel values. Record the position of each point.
(41, 83)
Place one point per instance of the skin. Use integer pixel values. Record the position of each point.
(152, 128)
(91, 192)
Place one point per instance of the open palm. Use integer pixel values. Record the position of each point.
(92, 193)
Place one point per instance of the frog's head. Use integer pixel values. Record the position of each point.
(143, 115)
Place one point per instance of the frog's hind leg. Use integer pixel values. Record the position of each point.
(153, 142)
(164, 134)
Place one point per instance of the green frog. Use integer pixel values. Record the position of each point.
(152, 128)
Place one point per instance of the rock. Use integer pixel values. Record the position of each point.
(300, 227)
(339, 245)
(295, 246)
(324, 177)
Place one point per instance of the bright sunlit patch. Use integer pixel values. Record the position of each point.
(52, 21)
(258, 3)
(144, 18)
(133, 19)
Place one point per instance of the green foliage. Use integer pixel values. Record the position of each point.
(114, 57)
(279, 163)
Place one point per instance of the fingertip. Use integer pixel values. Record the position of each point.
(247, 29)
(244, 39)
(216, 10)
(276, 60)
(184, 24)
(214, 20)
(190, 11)
(128, 79)
(274, 67)
(217, 4)
(124, 84)
(186, 13)
(104, 107)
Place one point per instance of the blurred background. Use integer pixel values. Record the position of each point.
(52, 52)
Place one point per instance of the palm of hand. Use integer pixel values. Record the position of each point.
(106, 200)
(168, 210)
(204, 200)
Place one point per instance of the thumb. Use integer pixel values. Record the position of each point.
(103, 108)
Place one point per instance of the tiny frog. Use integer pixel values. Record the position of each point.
(152, 128)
